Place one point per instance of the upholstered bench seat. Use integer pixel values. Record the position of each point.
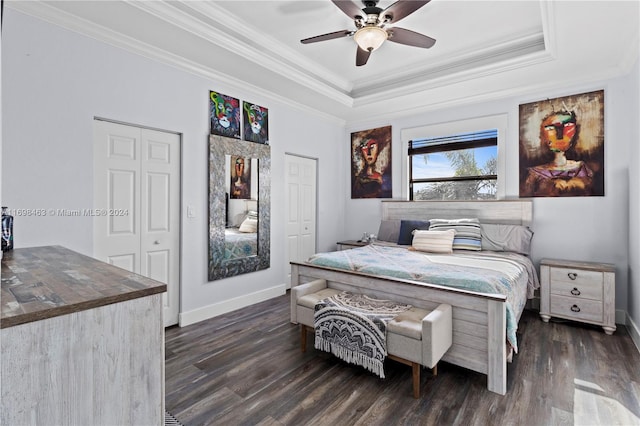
(416, 337)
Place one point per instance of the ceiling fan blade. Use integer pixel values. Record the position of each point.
(329, 36)
(411, 38)
(362, 56)
(402, 9)
(349, 8)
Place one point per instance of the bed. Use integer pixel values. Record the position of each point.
(484, 318)
(238, 245)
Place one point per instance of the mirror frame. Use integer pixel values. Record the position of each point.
(219, 147)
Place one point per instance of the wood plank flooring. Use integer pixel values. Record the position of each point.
(246, 368)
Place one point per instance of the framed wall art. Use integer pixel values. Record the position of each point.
(562, 146)
(255, 120)
(224, 115)
(371, 163)
(240, 171)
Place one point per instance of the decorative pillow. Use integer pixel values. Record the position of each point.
(500, 237)
(250, 224)
(433, 241)
(406, 230)
(468, 234)
(389, 231)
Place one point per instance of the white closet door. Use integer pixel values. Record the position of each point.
(137, 182)
(160, 215)
(116, 237)
(300, 194)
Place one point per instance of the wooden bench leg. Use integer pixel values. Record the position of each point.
(415, 367)
(303, 337)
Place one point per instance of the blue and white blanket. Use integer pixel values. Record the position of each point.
(509, 274)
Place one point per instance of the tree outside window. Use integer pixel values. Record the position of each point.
(458, 167)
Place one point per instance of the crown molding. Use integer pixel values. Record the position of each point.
(415, 92)
(515, 54)
(414, 104)
(55, 16)
(231, 34)
(267, 43)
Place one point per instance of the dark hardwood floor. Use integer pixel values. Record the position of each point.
(246, 368)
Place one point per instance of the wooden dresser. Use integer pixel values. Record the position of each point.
(82, 341)
(579, 291)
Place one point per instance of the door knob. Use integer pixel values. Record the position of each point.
(156, 242)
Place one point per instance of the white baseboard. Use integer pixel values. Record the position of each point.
(634, 332)
(210, 311)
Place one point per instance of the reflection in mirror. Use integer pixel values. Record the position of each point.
(239, 207)
(241, 232)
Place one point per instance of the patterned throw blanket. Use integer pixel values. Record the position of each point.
(353, 328)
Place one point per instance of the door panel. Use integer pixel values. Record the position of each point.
(124, 261)
(158, 265)
(160, 240)
(137, 177)
(158, 202)
(122, 194)
(116, 181)
(301, 209)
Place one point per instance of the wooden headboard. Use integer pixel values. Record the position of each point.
(514, 212)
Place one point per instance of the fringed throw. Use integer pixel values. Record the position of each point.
(353, 328)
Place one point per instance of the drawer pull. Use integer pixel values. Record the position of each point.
(575, 292)
(575, 308)
(572, 275)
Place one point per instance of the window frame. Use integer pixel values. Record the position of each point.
(498, 122)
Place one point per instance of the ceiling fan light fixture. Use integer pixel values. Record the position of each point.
(370, 38)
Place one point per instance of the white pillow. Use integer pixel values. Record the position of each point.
(433, 241)
(249, 225)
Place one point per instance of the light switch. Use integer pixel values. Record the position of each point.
(190, 212)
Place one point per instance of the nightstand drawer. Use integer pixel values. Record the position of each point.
(576, 276)
(574, 308)
(577, 290)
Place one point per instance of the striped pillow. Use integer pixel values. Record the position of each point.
(468, 232)
(433, 241)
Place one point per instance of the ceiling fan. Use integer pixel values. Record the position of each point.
(373, 26)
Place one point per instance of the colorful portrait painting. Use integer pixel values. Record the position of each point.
(562, 146)
(224, 115)
(255, 123)
(371, 163)
(240, 188)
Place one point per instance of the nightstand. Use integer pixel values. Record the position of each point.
(349, 244)
(579, 291)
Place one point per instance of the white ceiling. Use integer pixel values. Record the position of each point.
(484, 49)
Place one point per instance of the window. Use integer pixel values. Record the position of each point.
(456, 160)
(455, 167)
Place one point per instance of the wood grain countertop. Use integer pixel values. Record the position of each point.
(45, 282)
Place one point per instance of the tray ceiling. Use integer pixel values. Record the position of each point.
(484, 49)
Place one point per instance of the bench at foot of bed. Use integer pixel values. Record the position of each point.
(416, 337)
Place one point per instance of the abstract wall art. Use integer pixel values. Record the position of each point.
(224, 115)
(562, 146)
(255, 123)
(371, 163)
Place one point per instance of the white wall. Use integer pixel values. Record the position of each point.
(577, 228)
(55, 82)
(634, 206)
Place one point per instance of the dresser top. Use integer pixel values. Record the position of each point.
(45, 282)
(589, 266)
